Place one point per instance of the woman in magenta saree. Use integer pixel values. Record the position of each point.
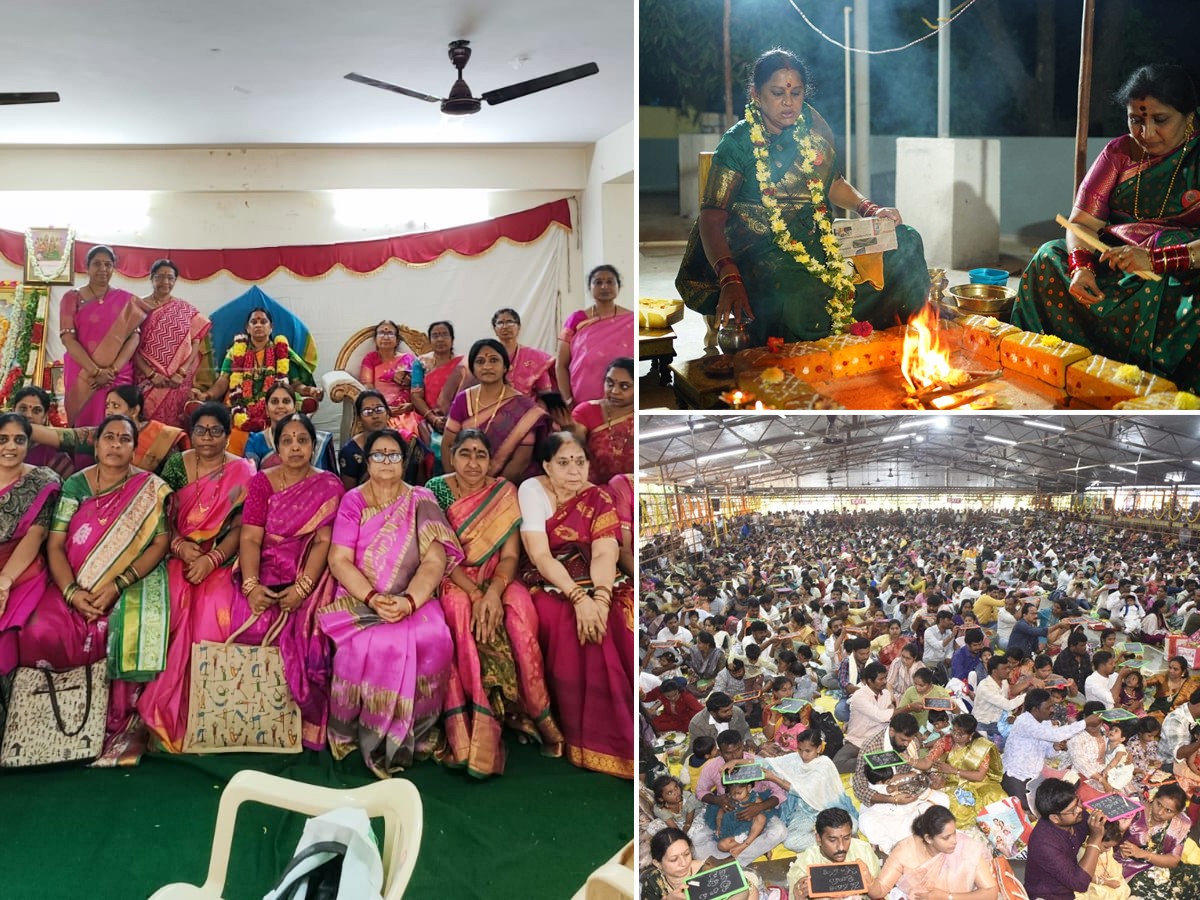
(393, 661)
(99, 329)
(592, 337)
(437, 377)
(513, 423)
(490, 613)
(26, 509)
(531, 371)
(609, 423)
(571, 533)
(287, 521)
(205, 522)
(1143, 193)
(169, 351)
(109, 591)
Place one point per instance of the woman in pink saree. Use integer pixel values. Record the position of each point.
(205, 517)
(531, 371)
(287, 521)
(437, 377)
(391, 374)
(109, 591)
(621, 488)
(490, 613)
(169, 351)
(393, 660)
(571, 534)
(98, 325)
(608, 422)
(513, 423)
(591, 338)
(938, 857)
(27, 496)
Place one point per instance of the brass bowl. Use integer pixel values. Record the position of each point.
(984, 299)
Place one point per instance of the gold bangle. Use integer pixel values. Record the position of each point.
(249, 584)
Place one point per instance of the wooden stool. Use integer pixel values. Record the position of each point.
(658, 346)
(695, 389)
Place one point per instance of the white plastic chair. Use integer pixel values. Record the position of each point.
(614, 880)
(395, 800)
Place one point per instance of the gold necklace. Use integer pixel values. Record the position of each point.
(1137, 184)
(494, 406)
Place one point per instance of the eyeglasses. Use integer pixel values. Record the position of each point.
(208, 431)
(502, 322)
(373, 410)
(380, 457)
(380, 334)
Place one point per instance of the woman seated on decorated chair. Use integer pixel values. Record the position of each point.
(389, 372)
(254, 364)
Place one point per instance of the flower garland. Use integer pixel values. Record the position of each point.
(15, 347)
(249, 382)
(833, 271)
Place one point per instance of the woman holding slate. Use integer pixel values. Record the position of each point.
(673, 866)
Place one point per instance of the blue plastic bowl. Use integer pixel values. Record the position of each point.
(988, 276)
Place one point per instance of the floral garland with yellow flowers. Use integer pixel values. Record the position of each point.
(249, 382)
(833, 270)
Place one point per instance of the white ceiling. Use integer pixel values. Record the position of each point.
(219, 72)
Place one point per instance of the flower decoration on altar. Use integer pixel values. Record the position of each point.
(1129, 374)
(1050, 340)
(251, 380)
(861, 329)
(20, 334)
(1184, 400)
(991, 322)
(775, 344)
(832, 271)
(772, 375)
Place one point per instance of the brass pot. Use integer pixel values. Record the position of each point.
(983, 299)
(732, 337)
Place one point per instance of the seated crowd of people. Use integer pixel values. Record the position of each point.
(462, 565)
(912, 692)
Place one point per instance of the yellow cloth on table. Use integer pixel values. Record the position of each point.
(869, 268)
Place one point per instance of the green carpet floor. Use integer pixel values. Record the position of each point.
(120, 834)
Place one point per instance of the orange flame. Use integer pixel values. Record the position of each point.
(925, 362)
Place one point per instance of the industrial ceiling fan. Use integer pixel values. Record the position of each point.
(17, 98)
(460, 102)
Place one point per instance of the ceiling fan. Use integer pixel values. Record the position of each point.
(460, 102)
(17, 98)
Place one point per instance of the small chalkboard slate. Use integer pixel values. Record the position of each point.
(743, 774)
(789, 705)
(835, 880)
(1135, 649)
(715, 884)
(939, 703)
(746, 696)
(1114, 806)
(1133, 664)
(1116, 715)
(883, 759)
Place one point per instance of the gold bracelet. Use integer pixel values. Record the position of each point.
(249, 584)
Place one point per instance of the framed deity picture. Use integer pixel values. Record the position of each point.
(50, 256)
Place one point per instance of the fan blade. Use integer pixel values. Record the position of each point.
(394, 88)
(533, 85)
(12, 99)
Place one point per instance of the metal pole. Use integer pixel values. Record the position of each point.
(862, 97)
(728, 67)
(1085, 90)
(849, 167)
(943, 73)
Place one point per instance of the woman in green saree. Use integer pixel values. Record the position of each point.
(1143, 194)
(763, 249)
(973, 771)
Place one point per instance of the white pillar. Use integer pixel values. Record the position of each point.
(943, 71)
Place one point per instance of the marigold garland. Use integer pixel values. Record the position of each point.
(832, 271)
(249, 382)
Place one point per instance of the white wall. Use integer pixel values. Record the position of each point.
(607, 206)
